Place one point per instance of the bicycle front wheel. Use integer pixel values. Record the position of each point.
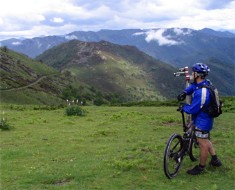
(172, 159)
(194, 150)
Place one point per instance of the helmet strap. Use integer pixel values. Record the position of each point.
(195, 76)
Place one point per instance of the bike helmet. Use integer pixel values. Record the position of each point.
(201, 68)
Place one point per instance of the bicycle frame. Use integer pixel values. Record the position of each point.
(186, 136)
(187, 125)
(185, 72)
(178, 146)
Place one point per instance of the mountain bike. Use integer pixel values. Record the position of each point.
(178, 146)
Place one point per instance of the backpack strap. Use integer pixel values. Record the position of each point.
(203, 107)
(203, 95)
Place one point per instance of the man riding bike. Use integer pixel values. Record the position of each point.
(202, 121)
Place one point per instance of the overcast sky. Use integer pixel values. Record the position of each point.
(31, 18)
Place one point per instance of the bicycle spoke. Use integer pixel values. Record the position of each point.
(172, 161)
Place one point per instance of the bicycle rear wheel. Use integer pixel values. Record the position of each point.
(194, 150)
(172, 161)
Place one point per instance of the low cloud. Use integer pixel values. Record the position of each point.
(16, 43)
(71, 37)
(163, 39)
(157, 35)
(179, 31)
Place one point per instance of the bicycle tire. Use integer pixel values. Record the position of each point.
(172, 162)
(193, 148)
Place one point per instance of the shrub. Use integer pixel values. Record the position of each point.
(75, 110)
(4, 125)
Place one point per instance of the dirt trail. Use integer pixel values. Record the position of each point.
(26, 86)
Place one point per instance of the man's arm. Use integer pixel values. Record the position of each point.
(195, 106)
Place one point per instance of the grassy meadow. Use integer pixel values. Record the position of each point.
(108, 148)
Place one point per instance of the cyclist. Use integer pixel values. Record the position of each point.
(202, 121)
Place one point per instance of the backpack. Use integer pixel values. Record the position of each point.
(214, 109)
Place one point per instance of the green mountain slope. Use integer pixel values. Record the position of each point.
(18, 70)
(112, 68)
(26, 81)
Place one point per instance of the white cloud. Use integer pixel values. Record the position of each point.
(1, 21)
(158, 35)
(16, 43)
(71, 37)
(22, 18)
(179, 31)
(139, 33)
(57, 20)
(40, 30)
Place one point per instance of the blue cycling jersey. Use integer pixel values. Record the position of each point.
(200, 98)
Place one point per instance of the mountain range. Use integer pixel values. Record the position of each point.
(176, 46)
(109, 60)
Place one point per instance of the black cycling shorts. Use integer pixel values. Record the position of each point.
(202, 134)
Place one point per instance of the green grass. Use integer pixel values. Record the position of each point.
(109, 148)
(29, 96)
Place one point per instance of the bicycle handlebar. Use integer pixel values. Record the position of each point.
(183, 72)
(177, 74)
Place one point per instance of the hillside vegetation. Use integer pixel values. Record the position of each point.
(91, 73)
(27, 81)
(113, 68)
(18, 70)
